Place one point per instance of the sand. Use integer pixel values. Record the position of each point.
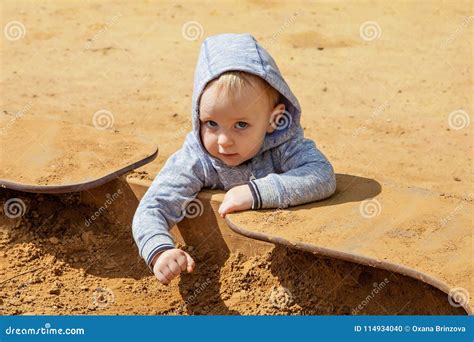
(378, 107)
(51, 263)
(397, 106)
(411, 231)
(55, 153)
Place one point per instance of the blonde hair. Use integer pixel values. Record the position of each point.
(234, 81)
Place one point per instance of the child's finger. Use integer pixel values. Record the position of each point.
(229, 209)
(162, 278)
(167, 273)
(174, 268)
(190, 262)
(224, 207)
(182, 263)
(223, 210)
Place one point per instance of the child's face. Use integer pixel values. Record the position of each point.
(233, 128)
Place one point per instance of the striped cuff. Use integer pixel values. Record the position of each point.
(155, 244)
(257, 199)
(156, 251)
(269, 192)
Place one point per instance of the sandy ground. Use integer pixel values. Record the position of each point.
(67, 154)
(406, 230)
(395, 105)
(53, 264)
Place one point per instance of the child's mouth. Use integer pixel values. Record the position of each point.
(228, 154)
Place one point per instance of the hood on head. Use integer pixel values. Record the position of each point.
(241, 52)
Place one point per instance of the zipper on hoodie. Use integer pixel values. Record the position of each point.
(252, 177)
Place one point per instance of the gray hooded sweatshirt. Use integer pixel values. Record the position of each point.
(288, 170)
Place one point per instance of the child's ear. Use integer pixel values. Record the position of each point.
(275, 116)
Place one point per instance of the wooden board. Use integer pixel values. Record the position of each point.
(43, 155)
(412, 231)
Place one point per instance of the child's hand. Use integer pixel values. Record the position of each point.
(170, 263)
(236, 199)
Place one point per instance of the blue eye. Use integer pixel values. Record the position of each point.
(242, 125)
(211, 123)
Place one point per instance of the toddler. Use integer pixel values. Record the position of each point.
(246, 139)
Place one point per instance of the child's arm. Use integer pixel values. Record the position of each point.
(307, 176)
(164, 204)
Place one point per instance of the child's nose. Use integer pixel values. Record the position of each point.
(224, 139)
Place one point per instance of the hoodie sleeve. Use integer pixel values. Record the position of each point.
(164, 203)
(306, 176)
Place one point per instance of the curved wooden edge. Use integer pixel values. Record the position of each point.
(360, 259)
(55, 189)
